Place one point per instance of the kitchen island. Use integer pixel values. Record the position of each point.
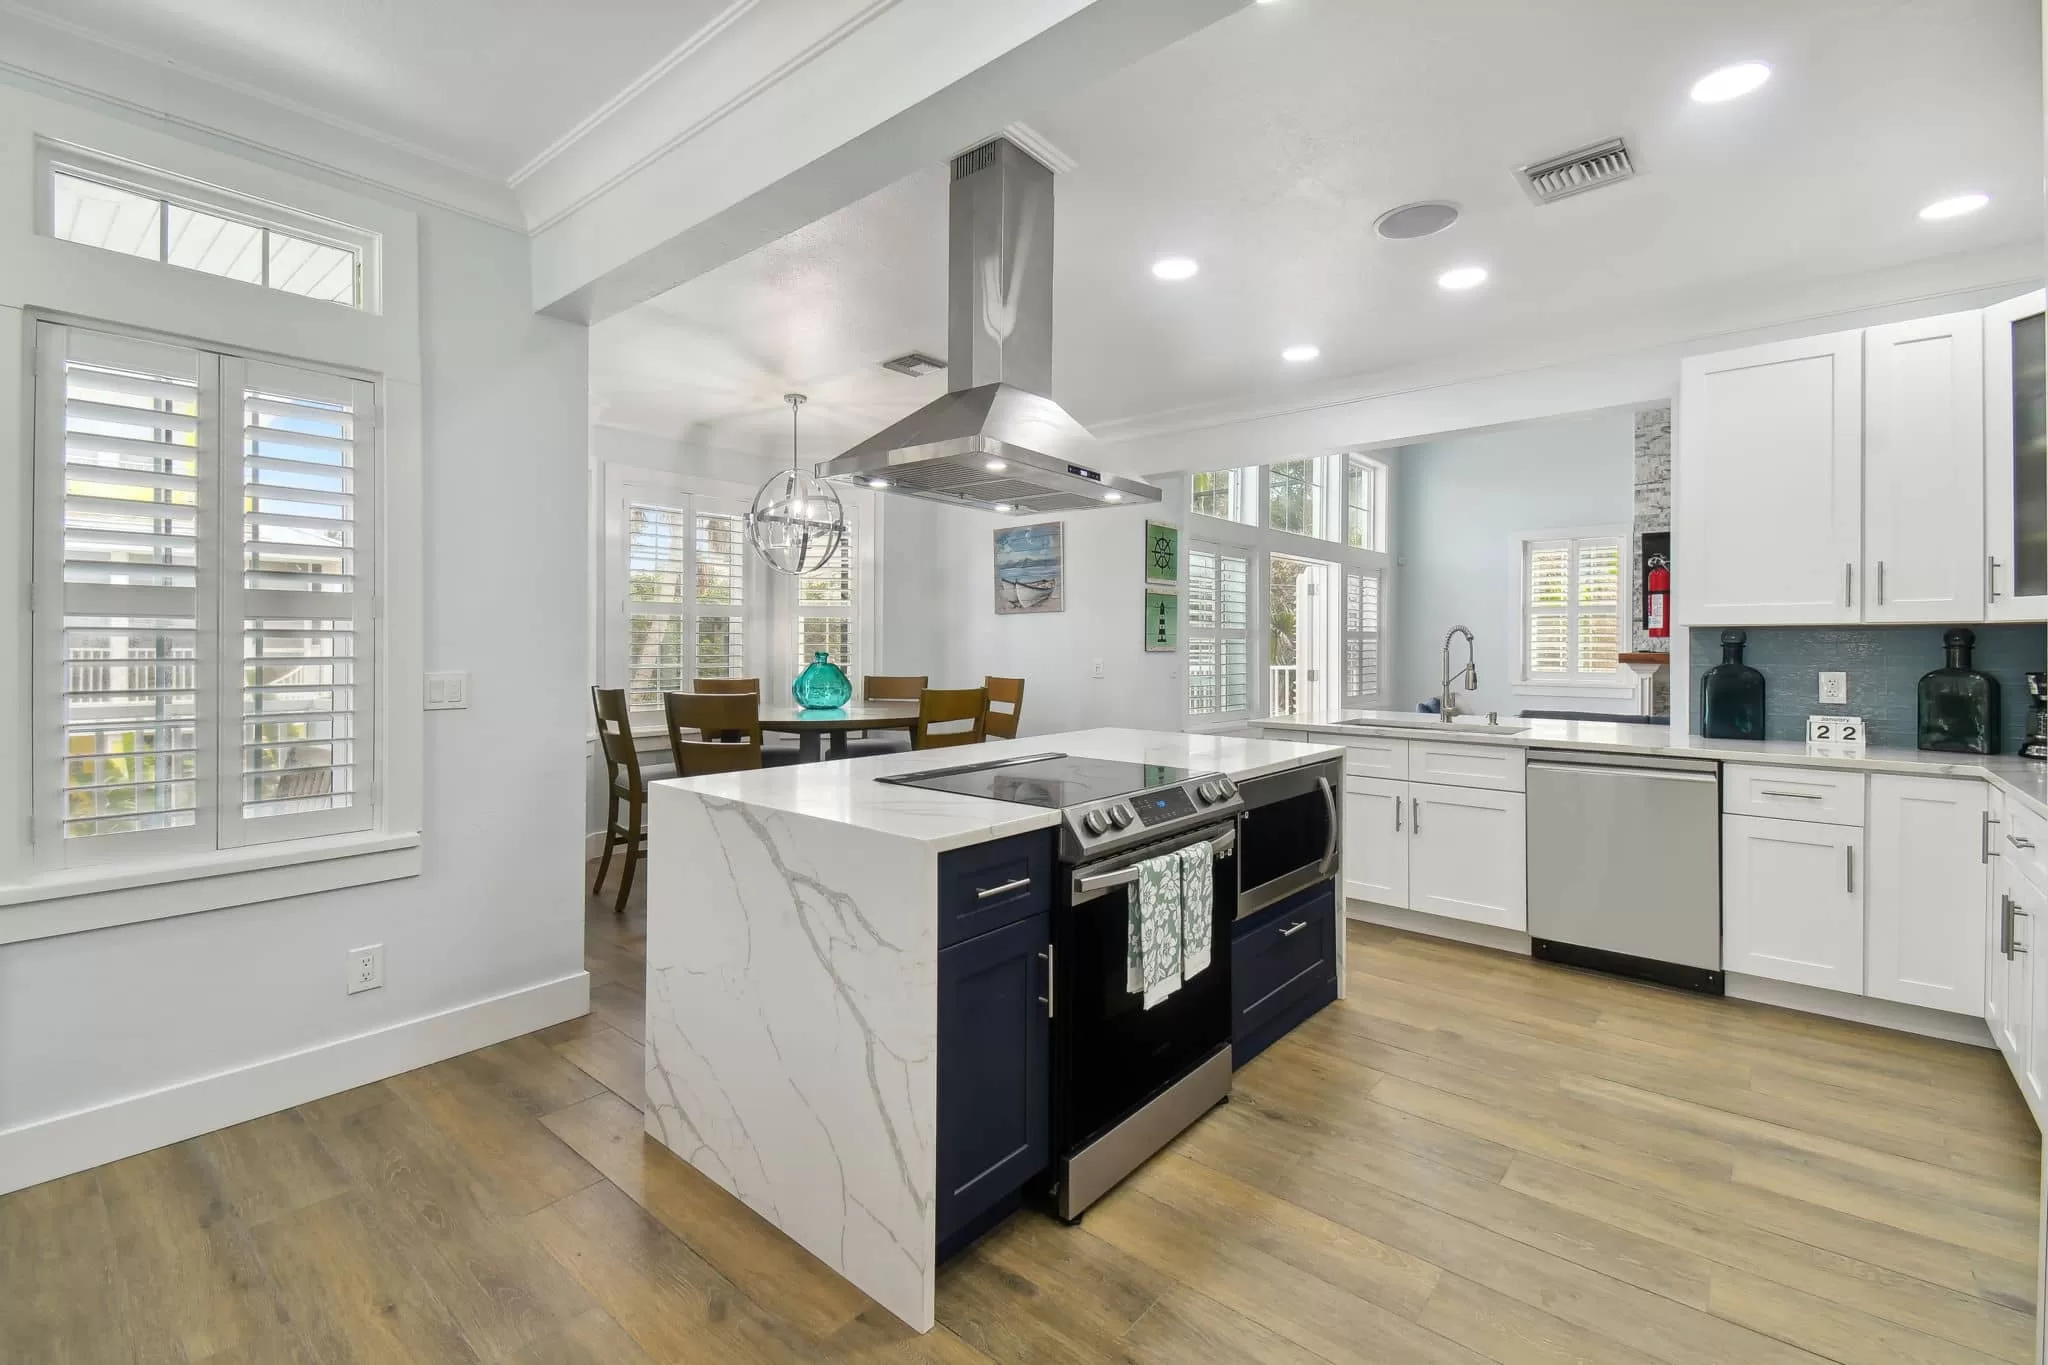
(793, 981)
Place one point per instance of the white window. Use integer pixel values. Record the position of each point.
(1294, 500)
(137, 212)
(1361, 636)
(1218, 634)
(827, 607)
(204, 593)
(1571, 607)
(1362, 479)
(686, 595)
(1225, 494)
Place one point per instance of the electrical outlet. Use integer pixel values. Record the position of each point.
(365, 968)
(1834, 689)
(1097, 671)
(447, 691)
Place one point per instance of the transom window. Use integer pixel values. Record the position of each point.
(1222, 493)
(1294, 497)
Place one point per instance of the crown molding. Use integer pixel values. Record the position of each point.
(45, 51)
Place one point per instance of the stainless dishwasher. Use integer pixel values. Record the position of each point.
(1625, 866)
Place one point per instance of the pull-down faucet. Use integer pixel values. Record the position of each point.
(1471, 679)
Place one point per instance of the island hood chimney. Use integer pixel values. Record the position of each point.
(996, 440)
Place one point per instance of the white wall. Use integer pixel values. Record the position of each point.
(1055, 652)
(120, 1039)
(1459, 504)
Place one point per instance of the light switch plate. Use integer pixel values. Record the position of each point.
(447, 691)
(1834, 689)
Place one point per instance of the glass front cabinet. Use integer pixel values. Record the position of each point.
(2016, 459)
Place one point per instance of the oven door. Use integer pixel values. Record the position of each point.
(1110, 1053)
(1288, 834)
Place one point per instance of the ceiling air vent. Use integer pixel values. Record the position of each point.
(1588, 168)
(916, 364)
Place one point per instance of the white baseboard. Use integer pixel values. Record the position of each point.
(1957, 1028)
(593, 845)
(1437, 926)
(59, 1146)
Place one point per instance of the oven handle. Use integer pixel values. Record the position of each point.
(1329, 864)
(1088, 884)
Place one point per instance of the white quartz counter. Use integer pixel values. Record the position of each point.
(2023, 778)
(846, 793)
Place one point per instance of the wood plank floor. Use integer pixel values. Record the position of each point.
(1475, 1158)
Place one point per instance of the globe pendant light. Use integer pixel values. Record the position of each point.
(797, 522)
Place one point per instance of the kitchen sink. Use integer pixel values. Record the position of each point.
(1416, 720)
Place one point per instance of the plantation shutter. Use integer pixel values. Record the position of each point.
(721, 595)
(1572, 613)
(1549, 609)
(1599, 603)
(124, 512)
(657, 601)
(825, 603)
(296, 730)
(1361, 636)
(1218, 612)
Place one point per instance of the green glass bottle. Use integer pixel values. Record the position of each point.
(1732, 694)
(1959, 704)
(822, 686)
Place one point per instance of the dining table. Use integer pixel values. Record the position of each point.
(812, 726)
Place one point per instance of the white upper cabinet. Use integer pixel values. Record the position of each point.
(1923, 470)
(1930, 872)
(2016, 459)
(1768, 490)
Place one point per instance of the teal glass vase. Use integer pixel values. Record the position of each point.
(822, 686)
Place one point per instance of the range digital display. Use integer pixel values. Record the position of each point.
(1156, 807)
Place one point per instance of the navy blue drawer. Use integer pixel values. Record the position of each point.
(1283, 968)
(990, 885)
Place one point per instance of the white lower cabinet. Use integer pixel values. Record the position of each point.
(1929, 873)
(1376, 840)
(2016, 1013)
(1468, 854)
(1792, 901)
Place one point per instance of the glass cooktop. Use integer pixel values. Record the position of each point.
(1052, 780)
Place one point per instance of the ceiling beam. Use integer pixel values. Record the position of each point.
(910, 84)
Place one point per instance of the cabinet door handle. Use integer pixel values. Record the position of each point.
(1984, 843)
(1795, 796)
(987, 893)
(1848, 585)
(1991, 577)
(1849, 862)
(1415, 815)
(1880, 582)
(1291, 930)
(2017, 842)
(2004, 925)
(1046, 999)
(1397, 815)
(2017, 946)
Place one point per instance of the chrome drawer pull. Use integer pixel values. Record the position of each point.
(1004, 889)
(1046, 999)
(1984, 850)
(2017, 842)
(1291, 930)
(1794, 796)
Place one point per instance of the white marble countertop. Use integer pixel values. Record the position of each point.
(2024, 778)
(847, 793)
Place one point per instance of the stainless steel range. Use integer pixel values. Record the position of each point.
(1125, 1079)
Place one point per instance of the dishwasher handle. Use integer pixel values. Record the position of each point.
(1615, 770)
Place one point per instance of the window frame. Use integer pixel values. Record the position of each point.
(627, 486)
(1376, 472)
(1615, 684)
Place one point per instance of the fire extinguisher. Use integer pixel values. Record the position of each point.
(1657, 600)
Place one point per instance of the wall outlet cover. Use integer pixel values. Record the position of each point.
(1834, 689)
(365, 968)
(447, 691)
(1097, 670)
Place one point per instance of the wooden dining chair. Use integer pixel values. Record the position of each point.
(699, 724)
(968, 705)
(885, 687)
(729, 685)
(624, 785)
(1005, 692)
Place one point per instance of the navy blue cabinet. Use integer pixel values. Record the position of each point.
(1283, 968)
(989, 885)
(995, 1086)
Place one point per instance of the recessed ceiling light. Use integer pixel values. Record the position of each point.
(1112, 496)
(996, 466)
(1298, 354)
(1002, 507)
(1955, 207)
(1730, 82)
(1463, 277)
(1174, 268)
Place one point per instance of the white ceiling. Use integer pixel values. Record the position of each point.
(1265, 146)
(482, 85)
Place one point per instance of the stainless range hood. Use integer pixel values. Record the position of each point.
(996, 440)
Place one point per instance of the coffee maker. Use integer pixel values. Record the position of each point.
(2036, 745)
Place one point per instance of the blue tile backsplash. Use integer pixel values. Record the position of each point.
(1884, 664)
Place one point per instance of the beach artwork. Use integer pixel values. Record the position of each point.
(1031, 568)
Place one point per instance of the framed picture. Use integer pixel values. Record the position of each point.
(1031, 568)
(1162, 553)
(1162, 622)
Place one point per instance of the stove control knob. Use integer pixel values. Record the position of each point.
(1121, 815)
(1210, 793)
(1094, 822)
(1227, 787)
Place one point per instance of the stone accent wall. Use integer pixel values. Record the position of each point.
(1652, 513)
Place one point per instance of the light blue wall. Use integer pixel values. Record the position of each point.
(1884, 664)
(1459, 504)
